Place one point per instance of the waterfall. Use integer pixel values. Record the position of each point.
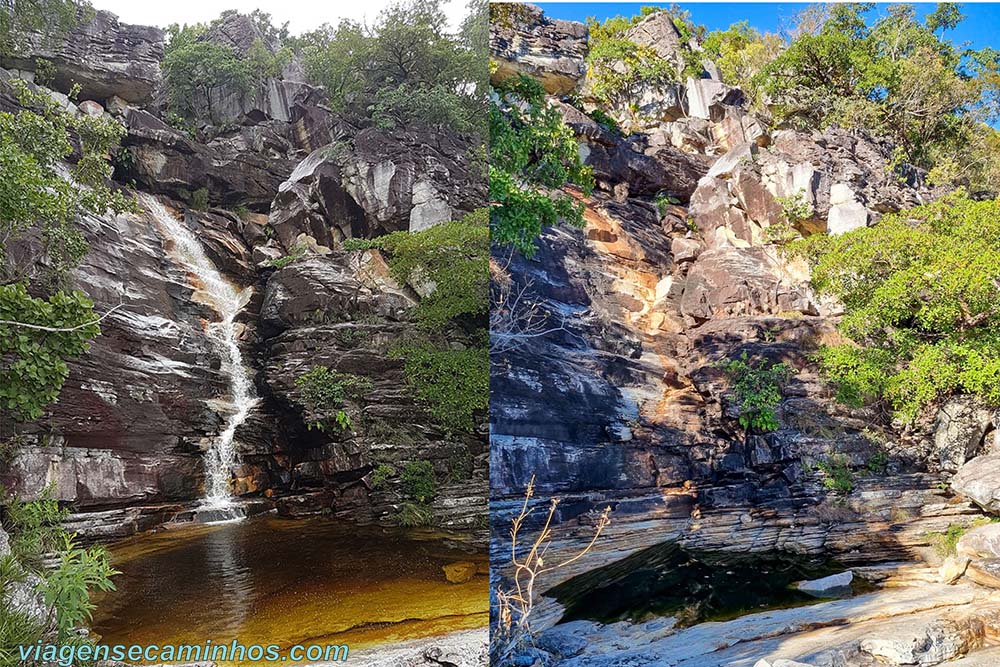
(214, 290)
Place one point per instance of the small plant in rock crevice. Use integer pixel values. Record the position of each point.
(383, 472)
(756, 386)
(325, 393)
(838, 476)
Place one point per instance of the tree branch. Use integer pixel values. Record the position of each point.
(38, 327)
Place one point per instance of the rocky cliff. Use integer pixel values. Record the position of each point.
(280, 178)
(624, 403)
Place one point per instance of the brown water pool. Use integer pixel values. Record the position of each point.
(279, 581)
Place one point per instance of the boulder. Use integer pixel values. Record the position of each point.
(525, 41)
(658, 32)
(979, 481)
(105, 57)
(924, 644)
(166, 161)
(833, 586)
(383, 182)
(952, 569)
(705, 97)
(985, 572)
(646, 170)
(460, 572)
(959, 430)
(981, 542)
(731, 282)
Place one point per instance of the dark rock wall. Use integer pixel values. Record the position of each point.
(124, 443)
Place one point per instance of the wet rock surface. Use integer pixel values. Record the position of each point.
(258, 177)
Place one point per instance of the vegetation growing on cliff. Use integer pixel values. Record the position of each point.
(39, 211)
(325, 394)
(620, 70)
(921, 291)
(195, 67)
(47, 17)
(405, 67)
(894, 76)
(451, 380)
(532, 154)
(756, 387)
(35, 529)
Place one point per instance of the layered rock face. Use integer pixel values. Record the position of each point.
(625, 403)
(125, 443)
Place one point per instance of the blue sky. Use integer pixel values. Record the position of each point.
(980, 28)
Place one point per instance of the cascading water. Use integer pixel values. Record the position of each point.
(212, 289)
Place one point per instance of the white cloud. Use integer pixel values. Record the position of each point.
(302, 15)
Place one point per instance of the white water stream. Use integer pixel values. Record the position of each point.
(214, 290)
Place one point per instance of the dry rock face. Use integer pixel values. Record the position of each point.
(107, 58)
(524, 41)
(624, 403)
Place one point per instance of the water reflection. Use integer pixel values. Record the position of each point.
(279, 581)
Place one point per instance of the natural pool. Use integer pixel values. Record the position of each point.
(690, 585)
(279, 581)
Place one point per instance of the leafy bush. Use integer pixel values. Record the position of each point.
(838, 476)
(532, 153)
(37, 369)
(325, 392)
(453, 384)
(382, 473)
(415, 515)
(405, 67)
(756, 385)
(619, 70)
(453, 255)
(920, 291)
(294, 255)
(194, 67)
(35, 529)
(419, 481)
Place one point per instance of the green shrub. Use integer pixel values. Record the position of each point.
(199, 199)
(294, 255)
(453, 384)
(919, 291)
(419, 481)
(35, 530)
(838, 476)
(325, 392)
(532, 154)
(415, 515)
(453, 255)
(756, 386)
(382, 473)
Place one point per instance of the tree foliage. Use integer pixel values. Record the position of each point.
(921, 292)
(405, 67)
(49, 18)
(40, 205)
(532, 154)
(196, 66)
(619, 70)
